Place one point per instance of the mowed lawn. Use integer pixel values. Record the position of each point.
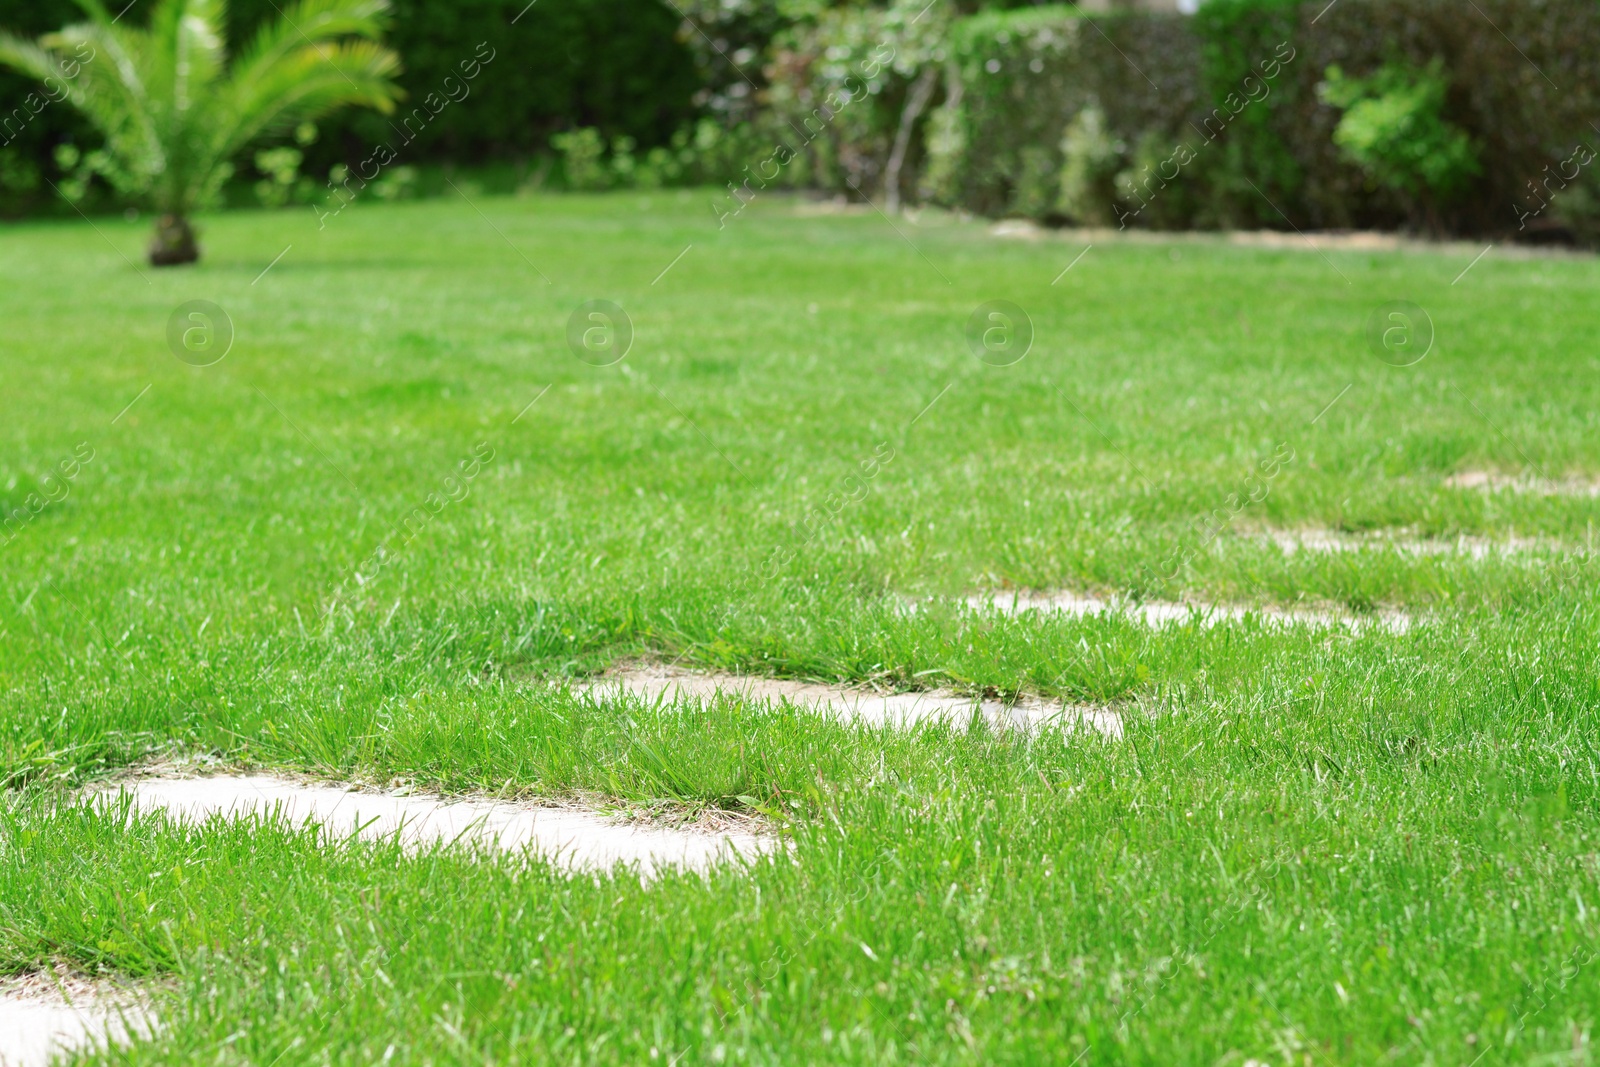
(352, 548)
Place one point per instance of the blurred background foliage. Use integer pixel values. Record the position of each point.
(1392, 114)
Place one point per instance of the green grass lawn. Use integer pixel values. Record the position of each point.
(1312, 846)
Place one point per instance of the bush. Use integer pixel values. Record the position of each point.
(583, 158)
(28, 141)
(1433, 117)
(851, 93)
(1394, 129)
(617, 65)
(704, 154)
(1091, 161)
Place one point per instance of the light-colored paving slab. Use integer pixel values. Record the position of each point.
(1535, 485)
(1158, 613)
(579, 840)
(40, 1020)
(852, 705)
(1293, 542)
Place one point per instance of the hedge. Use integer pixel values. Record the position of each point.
(1021, 78)
(1125, 118)
(613, 64)
(1525, 83)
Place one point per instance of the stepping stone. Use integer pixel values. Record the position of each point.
(1158, 613)
(1494, 482)
(39, 1021)
(1476, 548)
(851, 705)
(578, 840)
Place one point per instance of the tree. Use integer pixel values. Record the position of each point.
(176, 109)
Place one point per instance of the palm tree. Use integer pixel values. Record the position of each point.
(176, 109)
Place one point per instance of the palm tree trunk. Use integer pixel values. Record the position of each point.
(174, 242)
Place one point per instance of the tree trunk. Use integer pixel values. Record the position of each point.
(174, 242)
(916, 102)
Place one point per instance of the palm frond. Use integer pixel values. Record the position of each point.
(175, 112)
(110, 89)
(306, 23)
(27, 58)
(115, 65)
(187, 49)
(306, 84)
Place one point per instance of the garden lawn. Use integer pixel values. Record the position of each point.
(374, 541)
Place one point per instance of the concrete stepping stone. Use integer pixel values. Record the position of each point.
(1292, 542)
(578, 840)
(1529, 483)
(1158, 613)
(851, 705)
(40, 1020)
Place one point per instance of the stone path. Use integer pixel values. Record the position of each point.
(854, 705)
(1493, 482)
(40, 1019)
(1158, 613)
(580, 840)
(1475, 548)
(37, 1021)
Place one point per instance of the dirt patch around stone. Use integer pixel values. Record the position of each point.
(1158, 613)
(865, 706)
(576, 839)
(43, 1016)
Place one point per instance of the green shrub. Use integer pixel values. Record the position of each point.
(1035, 110)
(848, 85)
(583, 158)
(280, 168)
(704, 154)
(1501, 66)
(281, 180)
(397, 183)
(1395, 130)
(1091, 161)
